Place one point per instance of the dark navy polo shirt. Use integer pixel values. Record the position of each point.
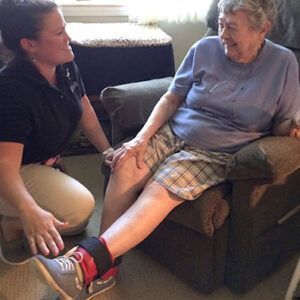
(37, 114)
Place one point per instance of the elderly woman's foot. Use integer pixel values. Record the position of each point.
(65, 275)
(13, 247)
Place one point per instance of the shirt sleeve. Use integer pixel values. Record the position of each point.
(289, 102)
(15, 118)
(183, 79)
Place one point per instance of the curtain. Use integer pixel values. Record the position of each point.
(180, 11)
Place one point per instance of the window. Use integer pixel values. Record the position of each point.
(91, 2)
(168, 10)
(143, 11)
(87, 8)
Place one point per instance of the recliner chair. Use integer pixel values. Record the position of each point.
(238, 232)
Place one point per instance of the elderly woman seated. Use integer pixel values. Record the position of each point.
(229, 91)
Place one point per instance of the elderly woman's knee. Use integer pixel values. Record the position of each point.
(129, 172)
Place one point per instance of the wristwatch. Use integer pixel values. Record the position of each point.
(108, 151)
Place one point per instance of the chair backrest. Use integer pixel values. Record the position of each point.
(286, 31)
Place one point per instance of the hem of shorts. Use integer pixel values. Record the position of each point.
(173, 191)
(184, 198)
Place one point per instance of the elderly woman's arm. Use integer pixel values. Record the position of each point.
(161, 114)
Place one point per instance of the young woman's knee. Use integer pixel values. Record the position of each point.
(60, 194)
(80, 208)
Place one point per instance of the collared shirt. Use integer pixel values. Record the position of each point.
(227, 104)
(34, 113)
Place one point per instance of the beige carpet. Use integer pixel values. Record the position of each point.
(140, 278)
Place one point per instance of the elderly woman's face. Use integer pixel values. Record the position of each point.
(241, 41)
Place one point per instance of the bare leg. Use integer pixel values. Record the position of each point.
(132, 227)
(122, 191)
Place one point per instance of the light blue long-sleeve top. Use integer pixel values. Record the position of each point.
(227, 104)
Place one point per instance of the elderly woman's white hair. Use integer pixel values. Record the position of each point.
(259, 11)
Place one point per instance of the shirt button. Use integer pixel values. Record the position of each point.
(62, 97)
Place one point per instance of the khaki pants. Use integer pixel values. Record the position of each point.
(63, 196)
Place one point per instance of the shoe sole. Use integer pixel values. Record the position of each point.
(2, 257)
(100, 292)
(44, 276)
(12, 263)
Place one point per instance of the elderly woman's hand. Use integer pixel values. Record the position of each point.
(134, 148)
(295, 132)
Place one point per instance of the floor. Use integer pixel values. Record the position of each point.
(140, 278)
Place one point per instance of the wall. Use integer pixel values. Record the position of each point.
(184, 36)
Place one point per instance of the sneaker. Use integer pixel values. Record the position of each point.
(64, 275)
(15, 252)
(96, 287)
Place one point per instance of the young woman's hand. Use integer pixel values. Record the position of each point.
(41, 229)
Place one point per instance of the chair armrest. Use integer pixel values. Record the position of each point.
(129, 105)
(265, 194)
(269, 158)
(207, 213)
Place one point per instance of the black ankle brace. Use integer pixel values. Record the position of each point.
(99, 252)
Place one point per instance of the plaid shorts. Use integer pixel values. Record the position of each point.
(183, 169)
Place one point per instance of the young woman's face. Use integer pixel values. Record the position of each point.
(52, 45)
(241, 41)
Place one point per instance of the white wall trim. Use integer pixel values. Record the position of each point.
(84, 9)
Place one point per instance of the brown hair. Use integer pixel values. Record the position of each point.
(22, 19)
